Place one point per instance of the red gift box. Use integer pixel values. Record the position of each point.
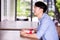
(30, 31)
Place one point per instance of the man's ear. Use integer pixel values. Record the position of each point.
(41, 9)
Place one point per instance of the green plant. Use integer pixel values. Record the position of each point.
(51, 13)
(23, 8)
(58, 5)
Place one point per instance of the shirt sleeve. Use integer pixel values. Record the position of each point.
(42, 28)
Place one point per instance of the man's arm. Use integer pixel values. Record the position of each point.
(30, 36)
(42, 28)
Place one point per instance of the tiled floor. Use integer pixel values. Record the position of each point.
(11, 34)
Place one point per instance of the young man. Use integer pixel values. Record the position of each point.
(46, 28)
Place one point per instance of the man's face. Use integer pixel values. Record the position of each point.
(37, 11)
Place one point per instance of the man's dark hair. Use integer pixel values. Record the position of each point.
(41, 5)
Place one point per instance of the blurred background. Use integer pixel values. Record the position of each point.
(23, 9)
(17, 14)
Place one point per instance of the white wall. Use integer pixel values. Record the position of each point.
(8, 10)
(2, 9)
(11, 10)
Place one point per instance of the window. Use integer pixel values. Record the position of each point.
(51, 9)
(23, 9)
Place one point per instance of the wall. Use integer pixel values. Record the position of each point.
(8, 10)
(0, 10)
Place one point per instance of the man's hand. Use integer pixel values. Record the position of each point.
(29, 36)
(23, 33)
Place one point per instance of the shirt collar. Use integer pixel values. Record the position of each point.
(42, 16)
